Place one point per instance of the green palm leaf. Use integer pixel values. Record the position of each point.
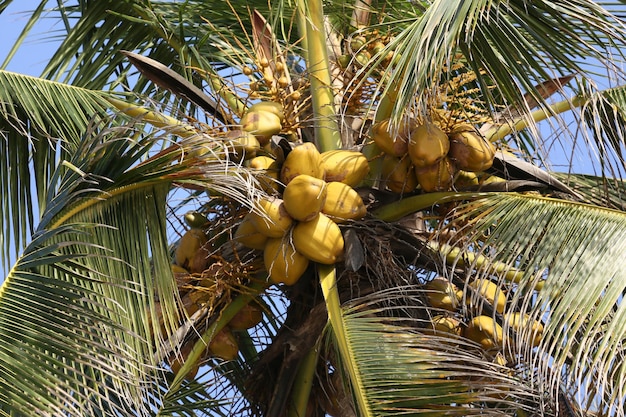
(86, 284)
(578, 250)
(514, 42)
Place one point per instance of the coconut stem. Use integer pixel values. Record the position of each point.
(304, 382)
(498, 132)
(327, 135)
(328, 282)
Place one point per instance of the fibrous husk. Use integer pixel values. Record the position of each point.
(303, 159)
(427, 145)
(348, 167)
(304, 197)
(469, 150)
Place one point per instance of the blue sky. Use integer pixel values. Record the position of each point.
(39, 45)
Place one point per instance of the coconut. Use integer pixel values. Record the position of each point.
(262, 124)
(398, 174)
(522, 323)
(469, 150)
(392, 144)
(188, 245)
(304, 197)
(303, 159)
(484, 331)
(490, 291)
(248, 235)
(349, 167)
(266, 171)
(441, 293)
(343, 203)
(224, 345)
(437, 177)
(284, 264)
(269, 106)
(270, 217)
(319, 239)
(427, 145)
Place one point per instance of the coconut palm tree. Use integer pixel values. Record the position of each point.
(147, 272)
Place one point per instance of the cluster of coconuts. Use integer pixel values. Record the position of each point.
(424, 154)
(362, 47)
(196, 288)
(482, 329)
(300, 224)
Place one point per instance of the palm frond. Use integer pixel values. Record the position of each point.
(100, 258)
(505, 44)
(39, 119)
(405, 368)
(578, 250)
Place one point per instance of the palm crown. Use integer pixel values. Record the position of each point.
(313, 208)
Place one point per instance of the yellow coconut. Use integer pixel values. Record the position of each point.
(437, 177)
(195, 219)
(427, 145)
(188, 245)
(349, 167)
(224, 345)
(490, 291)
(266, 171)
(398, 174)
(343, 203)
(445, 324)
(245, 144)
(303, 159)
(269, 106)
(469, 150)
(484, 331)
(270, 217)
(284, 264)
(319, 239)
(394, 144)
(249, 316)
(465, 179)
(248, 235)
(521, 323)
(441, 293)
(262, 124)
(304, 197)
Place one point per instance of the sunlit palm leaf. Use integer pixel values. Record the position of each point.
(405, 370)
(490, 35)
(579, 250)
(91, 274)
(39, 119)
